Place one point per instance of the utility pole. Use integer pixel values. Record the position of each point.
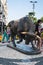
(33, 3)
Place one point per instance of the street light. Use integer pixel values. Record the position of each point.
(33, 2)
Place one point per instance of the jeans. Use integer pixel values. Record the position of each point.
(5, 36)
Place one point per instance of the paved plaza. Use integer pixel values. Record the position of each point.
(10, 56)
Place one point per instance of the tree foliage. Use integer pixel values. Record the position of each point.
(42, 19)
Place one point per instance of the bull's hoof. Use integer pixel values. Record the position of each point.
(26, 42)
(14, 45)
(19, 41)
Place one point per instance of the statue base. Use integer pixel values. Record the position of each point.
(26, 49)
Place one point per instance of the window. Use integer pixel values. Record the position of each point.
(0, 12)
(0, 3)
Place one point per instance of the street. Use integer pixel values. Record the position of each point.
(10, 56)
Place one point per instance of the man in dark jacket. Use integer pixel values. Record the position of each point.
(38, 33)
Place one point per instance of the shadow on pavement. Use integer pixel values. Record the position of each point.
(39, 60)
(3, 44)
(6, 61)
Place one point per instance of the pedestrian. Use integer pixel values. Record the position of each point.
(4, 35)
(8, 33)
(38, 33)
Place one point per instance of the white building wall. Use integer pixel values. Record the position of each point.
(3, 13)
(3, 9)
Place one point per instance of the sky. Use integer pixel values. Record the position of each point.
(20, 8)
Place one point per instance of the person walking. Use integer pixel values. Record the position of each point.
(8, 33)
(5, 35)
(38, 33)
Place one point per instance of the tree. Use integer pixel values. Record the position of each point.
(35, 19)
(31, 15)
(42, 19)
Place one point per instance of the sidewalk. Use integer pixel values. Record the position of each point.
(9, 56)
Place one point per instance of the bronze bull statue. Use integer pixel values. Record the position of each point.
(24, 24)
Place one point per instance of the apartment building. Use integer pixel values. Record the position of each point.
(3, 13)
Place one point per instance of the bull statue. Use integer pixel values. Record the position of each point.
(24, 24)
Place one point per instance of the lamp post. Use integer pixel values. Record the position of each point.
(33, 2)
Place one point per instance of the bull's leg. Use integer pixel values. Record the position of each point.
(26, 39)
(20, 38)
(13, 41)
(33, 46)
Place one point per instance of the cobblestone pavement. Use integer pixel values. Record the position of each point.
(9, 56)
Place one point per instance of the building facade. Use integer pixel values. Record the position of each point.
(3, 13)
(3, 10)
